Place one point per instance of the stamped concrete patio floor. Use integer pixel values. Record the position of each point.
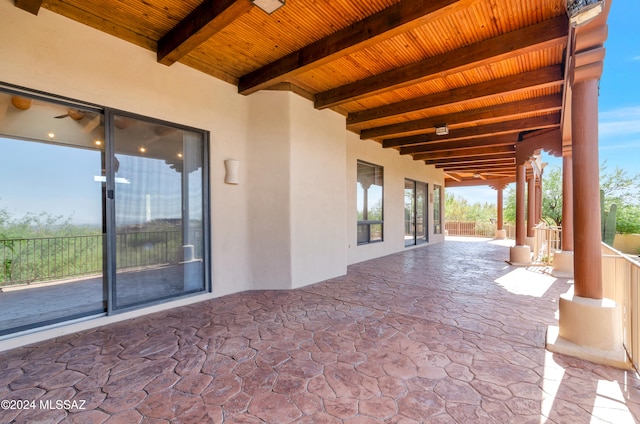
(446, 333)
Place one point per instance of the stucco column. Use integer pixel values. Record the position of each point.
(501, 233)
(531, 205)
(521, 229)
(563, 260)
(567, 203)
(586, 190)
(520, 253)
(539, 199)
(590, 326)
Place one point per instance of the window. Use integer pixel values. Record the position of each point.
(415, 213)
(369, 201)
(437, 209)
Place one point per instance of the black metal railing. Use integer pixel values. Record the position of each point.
(28, 260)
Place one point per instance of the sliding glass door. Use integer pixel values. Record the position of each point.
(51, 212)
(159, 211)
(409, 213)
(415, 213)
(99, 211)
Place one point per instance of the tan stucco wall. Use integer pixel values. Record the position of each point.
(267, 190)
(627, 243)
(296, 193)
(318, 193)
(292, 219)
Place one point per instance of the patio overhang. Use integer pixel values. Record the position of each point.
(395, 69)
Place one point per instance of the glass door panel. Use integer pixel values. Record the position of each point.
(421, 212)
(51, 213)
(409, 213)
(159, 240)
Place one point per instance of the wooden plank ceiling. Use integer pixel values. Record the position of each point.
(492, 71)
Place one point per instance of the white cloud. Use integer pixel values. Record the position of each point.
(622, 122)
(631, 145)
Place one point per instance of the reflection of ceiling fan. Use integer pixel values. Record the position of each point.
(74, 114)
(78, 115)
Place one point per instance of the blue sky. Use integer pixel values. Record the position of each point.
(66, 187)
(618, 104)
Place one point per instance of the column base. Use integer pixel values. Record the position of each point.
(520, 255)
(531, 242)
(501, 234)
(192, 274)
(589, 329)
(563, 264)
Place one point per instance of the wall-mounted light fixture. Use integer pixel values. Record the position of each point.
(269, 6)
(582, 11)
(442, 130)
(231, 167)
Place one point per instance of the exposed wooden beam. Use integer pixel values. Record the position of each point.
(500, 158)
(461, 153)
(452, 177)
(500, 181)
(506, 127)
(587, 38)
(484, 173)
(445, 161)
(549, 141)
(541, 78)
(493, 140)
(474, 168)
(31, 6)
(471, 164)
(589, 56)
(505, 46)
(497, 184)
(471, 159)
(499, 172)
(468, 117)
(208, 18)
(388, 23)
